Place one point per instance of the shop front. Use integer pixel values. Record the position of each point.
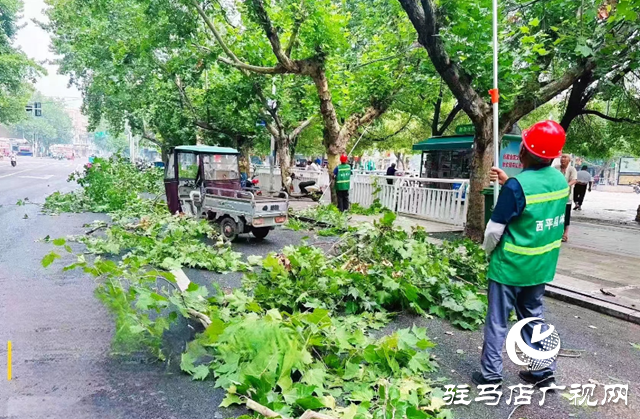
(449, 157)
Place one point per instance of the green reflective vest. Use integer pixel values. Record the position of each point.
(528, 251)
(344, 177)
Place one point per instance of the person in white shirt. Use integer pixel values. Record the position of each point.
(314, 166)
(571, 175)
(584, 180)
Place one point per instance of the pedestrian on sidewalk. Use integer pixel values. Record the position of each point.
(342, 176)
(391, 171)
(571, 175)
(584, 180)
(523, 240)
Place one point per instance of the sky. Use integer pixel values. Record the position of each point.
(36, 43)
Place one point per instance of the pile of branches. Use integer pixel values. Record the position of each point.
(108, 185)
(299, 338)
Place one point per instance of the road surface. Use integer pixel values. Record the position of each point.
(63, 368)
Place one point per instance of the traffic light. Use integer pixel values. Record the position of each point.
(37, 107)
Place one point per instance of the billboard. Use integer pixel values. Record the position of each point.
(629, 165)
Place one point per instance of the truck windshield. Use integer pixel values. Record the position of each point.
(220, 166)
(187, 166)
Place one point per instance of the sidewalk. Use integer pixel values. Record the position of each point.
(609, 207)
(599, 268)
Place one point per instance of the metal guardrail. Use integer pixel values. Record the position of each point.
(421, 197)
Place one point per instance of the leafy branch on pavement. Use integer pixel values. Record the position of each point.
(166, 241)
(107, 185)
(300, 337)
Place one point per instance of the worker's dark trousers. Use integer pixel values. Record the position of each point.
(304, 185)
(343, 200)
(579, 191)
(527, 302)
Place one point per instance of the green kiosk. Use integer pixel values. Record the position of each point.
(449, 157)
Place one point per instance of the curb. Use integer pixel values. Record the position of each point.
(592, 303)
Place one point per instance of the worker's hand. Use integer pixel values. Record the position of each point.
(499, 175)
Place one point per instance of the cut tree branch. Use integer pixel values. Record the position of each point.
(607, 117)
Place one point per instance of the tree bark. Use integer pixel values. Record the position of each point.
(481, 162)
(575, 102)
(283, 155)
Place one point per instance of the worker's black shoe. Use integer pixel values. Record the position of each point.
(539, 381)
(479, 380)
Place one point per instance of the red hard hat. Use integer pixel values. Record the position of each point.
(544, 139)
(344, 158)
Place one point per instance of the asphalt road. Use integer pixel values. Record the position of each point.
(63, 368)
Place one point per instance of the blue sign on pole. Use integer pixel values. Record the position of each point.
(261, 124)
(509, 160)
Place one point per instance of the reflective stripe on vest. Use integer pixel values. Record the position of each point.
(548, 196)
(532, 251)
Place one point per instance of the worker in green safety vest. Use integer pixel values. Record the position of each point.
(523, 240)
(342, 176)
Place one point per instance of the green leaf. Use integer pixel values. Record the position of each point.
(315, 376)
(49, 258)
(200, 372)
(230, 399)
(254, 260)
(524, 29)
(136, 329)
(351, 370)
(59, 242)
(534, 22)
(414, 413)
(310, 402)
(584, 50)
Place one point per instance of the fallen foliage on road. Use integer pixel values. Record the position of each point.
(108, 185)
(303, 335)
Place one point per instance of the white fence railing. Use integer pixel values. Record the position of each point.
(441, 200)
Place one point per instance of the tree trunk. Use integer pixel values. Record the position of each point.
(164, 152)
(244, 162)
(283, 156)
(480, 166)
(334, 161)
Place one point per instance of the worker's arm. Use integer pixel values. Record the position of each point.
(511, 203)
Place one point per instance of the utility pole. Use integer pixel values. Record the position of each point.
(272, 155)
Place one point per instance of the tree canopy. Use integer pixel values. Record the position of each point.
(17, 72)
(546, 47)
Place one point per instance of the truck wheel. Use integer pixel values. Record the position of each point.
(260, 232)
(229, 228)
